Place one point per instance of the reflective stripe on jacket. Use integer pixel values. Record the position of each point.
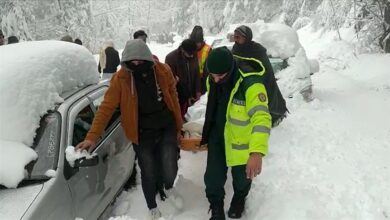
(202, 56)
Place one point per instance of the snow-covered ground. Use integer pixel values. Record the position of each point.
(327, 160)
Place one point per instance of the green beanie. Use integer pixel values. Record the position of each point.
(219, 61)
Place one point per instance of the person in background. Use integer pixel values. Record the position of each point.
(244, 46)
(141, 34)
(145, 92)
(184, 65)
(12, 40)
(108, 60)
(203, 51)
(236, 130)
(67, 38)
(1, 38)
(78, 41)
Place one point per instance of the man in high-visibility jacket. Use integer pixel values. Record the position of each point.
(236, 128)
(203, 51)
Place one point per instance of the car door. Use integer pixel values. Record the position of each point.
(120, 156)
(87, 184)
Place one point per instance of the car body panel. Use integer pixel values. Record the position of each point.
(14, 202)
(89, 190)
(53, 202)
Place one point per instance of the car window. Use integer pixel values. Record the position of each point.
(115, 116)
(82, 124)
(46, 145)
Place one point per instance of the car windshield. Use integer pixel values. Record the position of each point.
(46, 145)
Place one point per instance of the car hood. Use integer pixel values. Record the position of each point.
(15, 202)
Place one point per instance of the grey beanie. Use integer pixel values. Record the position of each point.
(136, 50)
(244, 31)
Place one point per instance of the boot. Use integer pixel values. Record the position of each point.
(217, 212)
(237, 207)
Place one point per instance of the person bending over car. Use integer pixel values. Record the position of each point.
(145, 92)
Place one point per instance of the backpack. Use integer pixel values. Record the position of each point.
(276, 103)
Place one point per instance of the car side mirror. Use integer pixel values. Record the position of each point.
(84, 162)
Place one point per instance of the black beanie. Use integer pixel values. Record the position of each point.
(189, 46)
(197, 34)
(219, 61)
(244, 31)
(139, 33)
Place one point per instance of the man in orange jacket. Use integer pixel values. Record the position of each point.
(145, 91)
(203, 51)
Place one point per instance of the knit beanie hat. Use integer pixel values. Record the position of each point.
(244, 31)
(219, 61)
(197, 34)
(189, 46)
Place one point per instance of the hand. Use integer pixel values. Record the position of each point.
(86, 145)
(253, 166)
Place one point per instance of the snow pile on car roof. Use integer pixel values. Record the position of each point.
(32, 77)
(279, 39)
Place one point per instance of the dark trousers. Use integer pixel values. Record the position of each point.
(156, 148)
(215, 176)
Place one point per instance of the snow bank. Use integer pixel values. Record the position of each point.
(32, 77)
(296, 77)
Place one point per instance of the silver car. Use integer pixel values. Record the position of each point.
(52, 189)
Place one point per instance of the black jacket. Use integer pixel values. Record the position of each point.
(276, 103)
(112, 61)
(217, 101)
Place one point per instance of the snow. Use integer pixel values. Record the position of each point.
(280, 40)
(51, 173)
(32, 77)
(13, 158)
(296, 76)
(72, 155)
(327, 160)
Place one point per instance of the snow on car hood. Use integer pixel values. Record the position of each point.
(32, 77)
(14, 202)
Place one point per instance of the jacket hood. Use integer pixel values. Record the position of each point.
(136, 50)
(249, 49)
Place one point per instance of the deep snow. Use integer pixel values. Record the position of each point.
(327, 160)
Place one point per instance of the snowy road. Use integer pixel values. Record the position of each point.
(327, 160)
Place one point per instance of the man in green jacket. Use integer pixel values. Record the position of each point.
(236, 128)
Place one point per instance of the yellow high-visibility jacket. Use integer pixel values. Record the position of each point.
(248, 122)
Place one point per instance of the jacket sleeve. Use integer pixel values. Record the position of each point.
(257, 109)
(105, 111)
(175, 99)
(169, 59)
(198, 87)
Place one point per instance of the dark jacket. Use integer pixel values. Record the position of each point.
(112, 61)
(256, 50)
(187, 70)
(217, 101)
